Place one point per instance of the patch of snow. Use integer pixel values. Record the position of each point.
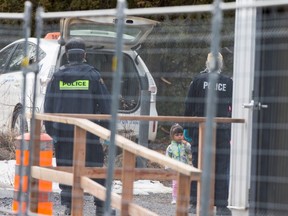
(141, 187)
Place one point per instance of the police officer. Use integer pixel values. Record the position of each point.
(76, 88)
(195, 106)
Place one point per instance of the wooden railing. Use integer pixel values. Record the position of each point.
(79, 176)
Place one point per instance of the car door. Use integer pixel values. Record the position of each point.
(9, 82)
(11, 79)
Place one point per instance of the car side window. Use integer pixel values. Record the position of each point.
(4, 57)
(18, 55)
(16, 59)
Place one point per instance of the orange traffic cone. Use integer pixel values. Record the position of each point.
(45, 204)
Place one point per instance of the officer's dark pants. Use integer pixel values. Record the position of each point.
(222, 167)
(64, 157)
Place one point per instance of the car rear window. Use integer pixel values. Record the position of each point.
(105, 32)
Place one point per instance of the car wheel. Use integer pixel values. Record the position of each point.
(16, 125)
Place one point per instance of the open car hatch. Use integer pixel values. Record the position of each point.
(101, 31)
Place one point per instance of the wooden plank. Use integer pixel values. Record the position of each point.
(149, 118)
(133, 147)
(35, 154)
(135, 209)
(79, 155)
(154, 156)
(99, 172)
(128, 173)
(88, 185)
(183, 195)
(140, 173)
(52, 175)
(98, 190)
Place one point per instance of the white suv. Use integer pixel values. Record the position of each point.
(99, 34)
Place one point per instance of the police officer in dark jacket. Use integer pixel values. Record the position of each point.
(195, 106)
(76, 88)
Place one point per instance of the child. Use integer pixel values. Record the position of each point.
(179, 149)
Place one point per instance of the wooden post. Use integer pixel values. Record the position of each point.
(79, 156)
(200, 166)
(183, 195)
(128, 176)
(35, 162)
(200, 163)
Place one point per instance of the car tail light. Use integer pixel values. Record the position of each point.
(51, 72)
(45, 80)
(154, 126)
(153, 89)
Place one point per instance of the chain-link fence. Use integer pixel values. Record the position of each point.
(163, 50)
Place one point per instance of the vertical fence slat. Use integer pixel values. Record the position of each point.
(35, 162)
(183, 195)
(128, 176)
(200, 164)
(79, 155)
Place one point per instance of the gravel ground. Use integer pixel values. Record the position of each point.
(158, 203)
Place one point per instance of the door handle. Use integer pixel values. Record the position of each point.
(255, 105)
(262, 106)
(249, 105)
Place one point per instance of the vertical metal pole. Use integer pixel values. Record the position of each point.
(25, 62)
(116, 89)
(211, 110)
(35, 68)
(144, 126)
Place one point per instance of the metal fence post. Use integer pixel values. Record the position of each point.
(210, 113)
(116, 88)
(24, 64)
(35, 70)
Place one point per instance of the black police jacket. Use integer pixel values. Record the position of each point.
(76, 88)
(195, 102)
